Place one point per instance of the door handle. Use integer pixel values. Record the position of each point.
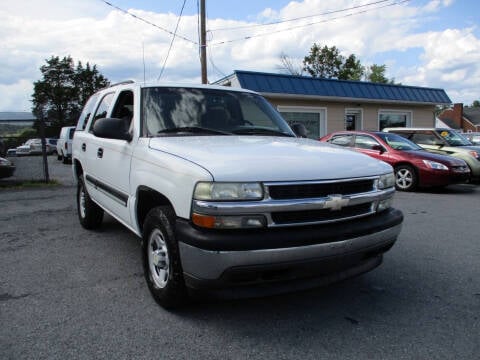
(100, 153)
(84, 147)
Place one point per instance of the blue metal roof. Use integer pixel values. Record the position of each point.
(303, 85)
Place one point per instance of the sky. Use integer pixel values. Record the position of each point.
(428, 43)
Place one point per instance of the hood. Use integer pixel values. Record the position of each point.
(425, 155)
(267, 158)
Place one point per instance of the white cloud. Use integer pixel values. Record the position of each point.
(16, 96)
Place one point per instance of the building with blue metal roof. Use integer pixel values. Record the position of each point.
(327, 105)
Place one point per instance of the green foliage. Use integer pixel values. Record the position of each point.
(376, 74)
(327, 62)
(476, 103)
(323, 62)
(63, 90)
(351, 69)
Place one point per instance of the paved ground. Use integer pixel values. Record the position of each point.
(67, 293)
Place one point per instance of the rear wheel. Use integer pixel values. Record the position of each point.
(89, 213)
(405, 178)
(161, 259)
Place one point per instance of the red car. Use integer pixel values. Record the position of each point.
(414, 167)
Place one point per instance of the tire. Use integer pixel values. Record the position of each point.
(64, 159)
(405, 178)
(59, 157)
(161, 259)
(89, 213)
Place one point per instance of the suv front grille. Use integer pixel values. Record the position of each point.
(287, 204)
(304, 191)
(322, 215)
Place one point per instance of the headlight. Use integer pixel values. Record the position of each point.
(5, 162)
(435, 165)
(386, 181)
(474, 154)
(219, 191)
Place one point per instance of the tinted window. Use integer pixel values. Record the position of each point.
(398, 142)
(227, 111)
(453, 138)
(426, 139)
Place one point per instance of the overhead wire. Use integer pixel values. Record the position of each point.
(173, 39)
(299, 18)
(309, 24)
(148, 22)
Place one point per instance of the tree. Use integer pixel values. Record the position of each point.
(376, 74)
(288, 66)
(327, 62)
(323, 62)
(351, 69)
(476, 103)
(63, 90)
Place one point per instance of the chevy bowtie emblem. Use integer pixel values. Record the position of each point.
(335, 202)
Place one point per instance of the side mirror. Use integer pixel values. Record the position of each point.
(378, 148)
(111, 128)
(300, 130)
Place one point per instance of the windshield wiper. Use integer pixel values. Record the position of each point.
(192, 130)
(260, 131)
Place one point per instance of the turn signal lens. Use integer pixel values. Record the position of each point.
(229, 222)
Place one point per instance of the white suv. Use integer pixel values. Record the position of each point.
(64, 144)
(224, 196)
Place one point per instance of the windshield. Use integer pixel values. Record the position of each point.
(453, 138)
(398, 142)
(190, 111)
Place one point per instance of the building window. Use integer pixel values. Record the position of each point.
(314, 119)
(394, 118)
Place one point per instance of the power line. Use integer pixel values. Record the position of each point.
(148, 22)
(305, 25)
(299, 18)
(173, 39)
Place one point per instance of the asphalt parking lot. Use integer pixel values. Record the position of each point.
(67, 293)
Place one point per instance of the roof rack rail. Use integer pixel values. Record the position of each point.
(122, 83)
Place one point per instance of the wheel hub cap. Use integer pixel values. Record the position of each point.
(158, 260)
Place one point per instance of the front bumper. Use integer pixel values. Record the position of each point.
(214, 259)
(443, 178)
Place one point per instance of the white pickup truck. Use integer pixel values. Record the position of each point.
(223, 194)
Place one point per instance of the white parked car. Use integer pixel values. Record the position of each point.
(30, 147)
(34, 147)
(64, 144)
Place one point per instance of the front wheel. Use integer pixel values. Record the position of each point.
(405, 178)
(89, 213)
(161, 259)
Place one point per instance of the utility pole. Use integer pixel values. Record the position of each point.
(203, 42)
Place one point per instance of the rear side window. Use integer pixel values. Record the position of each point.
(87, 112)
(341, 140)
(426, 138)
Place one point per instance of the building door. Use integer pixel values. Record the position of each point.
(353, 119)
